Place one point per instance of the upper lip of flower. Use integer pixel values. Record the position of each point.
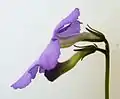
(73, 25)
(49, 57)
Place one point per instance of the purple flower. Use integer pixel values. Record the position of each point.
(49, 58)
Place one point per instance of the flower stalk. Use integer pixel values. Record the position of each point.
(107, 56)
(107, 71)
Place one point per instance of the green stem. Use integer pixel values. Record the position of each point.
(107, 71)
(107, 55)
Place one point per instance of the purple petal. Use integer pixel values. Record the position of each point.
(23, 81)
(27, 77)
(73, 16)
(74, 28)
(49, 57)
(33, 71)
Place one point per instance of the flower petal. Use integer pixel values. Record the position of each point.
(27, 77)
(74, 28)
(49, 57)
(73, 16)
(23, 81)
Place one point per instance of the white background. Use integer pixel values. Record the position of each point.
(25, 29)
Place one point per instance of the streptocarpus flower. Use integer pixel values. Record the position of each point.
(49, 58)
